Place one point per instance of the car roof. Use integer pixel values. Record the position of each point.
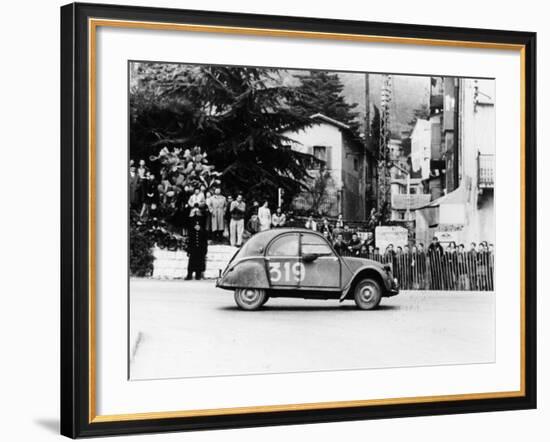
(257, 243)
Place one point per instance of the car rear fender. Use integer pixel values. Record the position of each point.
(245, 273)
(364, 272)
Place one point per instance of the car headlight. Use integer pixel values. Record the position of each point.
(388, 268)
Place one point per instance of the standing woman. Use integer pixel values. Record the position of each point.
(264, 214)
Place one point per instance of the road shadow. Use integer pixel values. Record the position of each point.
(51, 425)
(313, 308)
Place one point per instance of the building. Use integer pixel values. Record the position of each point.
(406, 190)
(407, 196)
(465, 211)
(338, 183)
(421, 148)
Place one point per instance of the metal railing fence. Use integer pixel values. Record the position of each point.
(439, 271)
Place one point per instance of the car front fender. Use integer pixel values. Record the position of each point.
(383, 278)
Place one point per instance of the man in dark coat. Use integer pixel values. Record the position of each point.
(435, 247)
(354, 244)
(340, 246)
(134, 188)
(435, 255)
(197, 245)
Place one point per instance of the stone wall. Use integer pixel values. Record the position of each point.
(173, 264)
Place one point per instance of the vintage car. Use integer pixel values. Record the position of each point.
(300, 263)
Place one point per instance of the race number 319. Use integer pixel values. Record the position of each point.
(286, 272)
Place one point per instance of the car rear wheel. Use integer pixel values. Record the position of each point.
(250, 299)
(367, 294)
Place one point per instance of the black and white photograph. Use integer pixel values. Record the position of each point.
(287, 220)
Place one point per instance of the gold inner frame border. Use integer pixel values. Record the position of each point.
(93, 24)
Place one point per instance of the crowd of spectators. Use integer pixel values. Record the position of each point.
(226, 218)
(453, 267)
(203, 214)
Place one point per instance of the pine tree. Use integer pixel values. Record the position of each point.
(321, 92)
(237, 115)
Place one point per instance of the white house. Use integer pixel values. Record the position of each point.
(342, 156)
(421, 147)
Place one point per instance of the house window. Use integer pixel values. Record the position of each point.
(320, 152)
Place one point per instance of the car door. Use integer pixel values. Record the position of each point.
(320, 266)
(282, 260)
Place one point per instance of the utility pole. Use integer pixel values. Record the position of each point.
(367, 194)
(384, 184)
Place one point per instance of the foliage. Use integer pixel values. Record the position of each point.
(379, 215)
(141, 245)
(321, 92)
(317, 192)
(181, 168)
(374, 140)
(145, 234)
(177, 168)
(237, 115)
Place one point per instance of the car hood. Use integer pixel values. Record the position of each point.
(355, 263)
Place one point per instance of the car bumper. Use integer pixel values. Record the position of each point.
(394, 288)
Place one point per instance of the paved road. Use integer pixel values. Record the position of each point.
(191, 328)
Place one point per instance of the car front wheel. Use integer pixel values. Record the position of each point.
(250, 299)
(367, 294)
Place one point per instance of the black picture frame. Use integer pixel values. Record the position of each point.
(75, 220)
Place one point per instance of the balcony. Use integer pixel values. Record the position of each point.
(486, 171)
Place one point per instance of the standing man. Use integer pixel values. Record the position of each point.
(134, 187)
(236, 226)
(339, 245)
(435, 253)
(354, 244)
(340, 222)
(311, 224)
(149, 193)
(196, 198)
(326, 228)
(264, 215)
(197, 245)
(252, 209)
(435, 246)
(347, 233)
(278, 219)
(142, 169)
(217, 213)
(253, 226)
(227, 215)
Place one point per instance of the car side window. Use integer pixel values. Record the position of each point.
(313, 244)
(286, 245)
